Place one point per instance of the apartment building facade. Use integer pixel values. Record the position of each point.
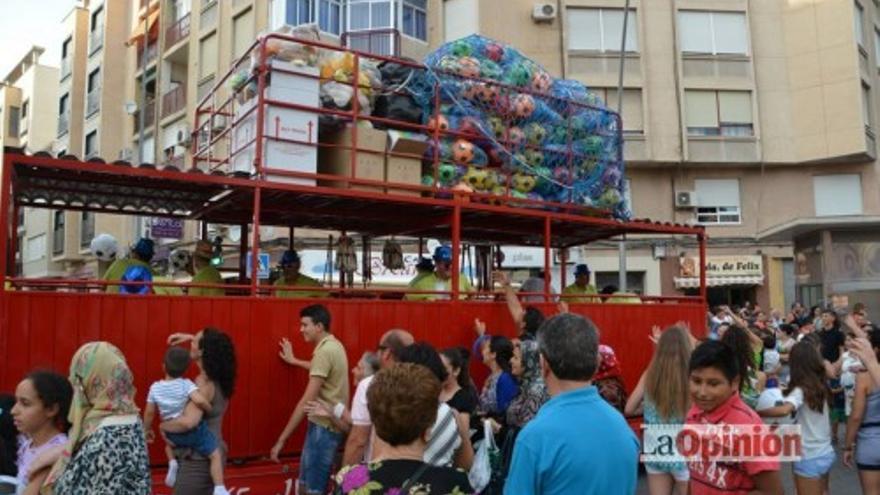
(27, 121)
(755, 118)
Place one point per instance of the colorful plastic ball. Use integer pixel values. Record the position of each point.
(428, 180)
(523, 106)
(541, 81)
(461, 48)
(536, 134)
(496, 125)
(490, 70)
(562, 175)
(494, 52)
(487, 93)
(447, 173)
(523, 183)
(519, 75)
(516, 136)
(534, 158)
(476, 178)
(439, 121)
(468, 67)
(463, 152)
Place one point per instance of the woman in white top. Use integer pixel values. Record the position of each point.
(806, 397)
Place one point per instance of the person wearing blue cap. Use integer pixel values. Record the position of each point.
(291, 277)
(140, 255)
(424, 268)
(440, 280)
(581, 290)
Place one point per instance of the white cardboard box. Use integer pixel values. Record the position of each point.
(283, 123)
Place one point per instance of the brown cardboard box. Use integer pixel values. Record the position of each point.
(370, 160)
(405, 169)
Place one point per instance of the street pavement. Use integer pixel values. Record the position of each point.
(843, 480)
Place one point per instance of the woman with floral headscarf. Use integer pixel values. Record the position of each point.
(526, 367)
(106, 453)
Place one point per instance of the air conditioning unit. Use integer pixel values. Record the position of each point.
(544, 12)
(685, 199)
(184, 137)
(126, 154)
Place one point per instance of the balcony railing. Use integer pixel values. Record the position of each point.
(96, 39)
(65, 68)
(208, 17)
(376, 41)
(93, 102)
(63, 123)
(152, 51)
(177, 31)
(149, 116)
(174, 100)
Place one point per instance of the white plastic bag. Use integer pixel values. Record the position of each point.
(481, 470)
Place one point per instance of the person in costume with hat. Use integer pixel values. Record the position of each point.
(440, 279)
(581, 290)
(424, 268)
(140, 256)
(291, 277)
(204, 272)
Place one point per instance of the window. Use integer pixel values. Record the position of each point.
(93, 99)
(715, 33)
(65, 47)
(370, 14)
(58, 233)
(330, 16)
(867, 116)
(839, 194)
(717, 201)
(632, 107)
(859, 23)
(601, 29)
(94, 81)
(65, 57)
(718, 113)
(242, 33)
(14, 121)
(97, 19)
(23, 128)
(86, 229)
(63, 114)
(96, 33)
(415, 19)
(35, 248)
(208, 56)
(92, 144)
(877, 48)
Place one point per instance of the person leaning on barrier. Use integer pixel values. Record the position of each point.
(204, 272)
(141, 254)
(440, 280)
(581, 290)
(291, 277)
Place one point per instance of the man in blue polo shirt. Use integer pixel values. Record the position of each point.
(577, 443)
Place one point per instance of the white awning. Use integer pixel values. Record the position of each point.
(694, 282)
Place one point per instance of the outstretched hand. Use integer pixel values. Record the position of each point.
(655, 334)
(479, 327)
(286, 352)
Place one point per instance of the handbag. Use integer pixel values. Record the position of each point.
(486, 461)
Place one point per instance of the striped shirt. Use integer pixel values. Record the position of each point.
(171, 396)
(445, 439)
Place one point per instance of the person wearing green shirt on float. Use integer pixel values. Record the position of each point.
(424, 268)
(204, 272)
(440, 280)
(581, 289)
(291, 277)
(140, 255)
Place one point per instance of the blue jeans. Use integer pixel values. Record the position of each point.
(316, 461)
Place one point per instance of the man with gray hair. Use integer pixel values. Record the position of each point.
(356, 447)
(577, 443)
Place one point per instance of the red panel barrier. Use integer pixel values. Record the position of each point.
(43, 329)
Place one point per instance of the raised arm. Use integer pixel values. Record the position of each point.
(513, 305)
(634, 403)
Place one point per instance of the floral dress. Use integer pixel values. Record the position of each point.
(388, 476)
(111, 461)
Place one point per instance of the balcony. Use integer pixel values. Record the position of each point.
(96, 39)
(177, 32)
(149, 116)
(93, 102)
(65, 68)
(152, 51)
(63, 123)
(174, 101)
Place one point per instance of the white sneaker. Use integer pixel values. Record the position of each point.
(220, 490)
(171, 476)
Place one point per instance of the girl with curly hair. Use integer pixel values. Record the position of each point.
(214, 354)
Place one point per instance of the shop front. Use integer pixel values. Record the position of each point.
(732, 280)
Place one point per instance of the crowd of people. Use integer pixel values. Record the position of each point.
(550, 418)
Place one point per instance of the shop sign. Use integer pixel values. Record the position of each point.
(722, 266)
